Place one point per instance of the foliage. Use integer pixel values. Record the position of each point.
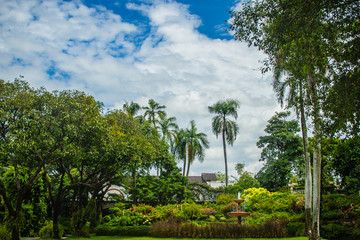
(106, 230)
(4, 233)
(47, 230)
(245, 181)
(189, 230)
(281, 152)
(346, 162)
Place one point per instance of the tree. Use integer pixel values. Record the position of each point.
(153, 111)
(167, 128)
(244, 180)
(25, 143)
(196, 143)
(296, 99)
(281, 152)
(131, 108)
(190, 144)
(295, 36)
(180, 147)
(222, 124)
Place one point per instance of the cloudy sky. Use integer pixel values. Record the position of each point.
(178, 53)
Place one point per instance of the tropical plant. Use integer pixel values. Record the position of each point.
(222, 124)
(168, 129)
(153, 111)
(131, 109)
(189, 145)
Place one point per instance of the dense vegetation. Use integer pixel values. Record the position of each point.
(61, 151)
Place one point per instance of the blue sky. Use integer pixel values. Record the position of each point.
(178, 53)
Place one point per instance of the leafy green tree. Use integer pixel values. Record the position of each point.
(25, 143)
(346, 163)
(245, 181)
(314, 42)
(169, 188)
(222, 124)
(136, 145)
(281, 151)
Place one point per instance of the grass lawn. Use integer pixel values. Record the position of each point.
(151, 238)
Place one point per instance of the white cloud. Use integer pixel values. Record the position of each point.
(92, 49)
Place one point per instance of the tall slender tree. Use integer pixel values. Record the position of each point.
(296, 99)
(222, 124)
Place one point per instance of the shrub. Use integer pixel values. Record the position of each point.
(191, 211)
(47, 230)
(335, 231)
(295, 229)
(4, 234)
(224, 199)
(276, 229)
(105, 230)
(208, 211)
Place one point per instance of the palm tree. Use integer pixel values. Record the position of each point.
(179, 148)
(167, 127)
(131, 109)
(153, 110)
(189, 144)
(222, 124)
(196, 144)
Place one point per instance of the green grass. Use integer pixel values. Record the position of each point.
(151, 238)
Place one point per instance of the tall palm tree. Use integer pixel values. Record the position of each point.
(196, 144)
(222, 124)
(189, 145)
(153, 110)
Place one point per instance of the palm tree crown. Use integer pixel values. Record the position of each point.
(190, 144)
(222, 124)
(153, 110)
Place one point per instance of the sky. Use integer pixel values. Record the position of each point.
(178, 53)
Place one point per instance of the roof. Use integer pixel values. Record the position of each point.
(195, 179)
(209, 176)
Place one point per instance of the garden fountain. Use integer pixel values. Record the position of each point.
(239, 213)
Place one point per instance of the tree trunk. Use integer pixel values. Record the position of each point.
(184, 169)
(15, 232)
(315, 233)
(225, 157)
(56, 232)
(308, 177)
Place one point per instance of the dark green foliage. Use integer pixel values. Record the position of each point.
(336, 231)
(189, 230)
(47, 230)
(281, 152)
(347, 163)
(4, 233)
(78, 224)
(295, 229)
(105, 230)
